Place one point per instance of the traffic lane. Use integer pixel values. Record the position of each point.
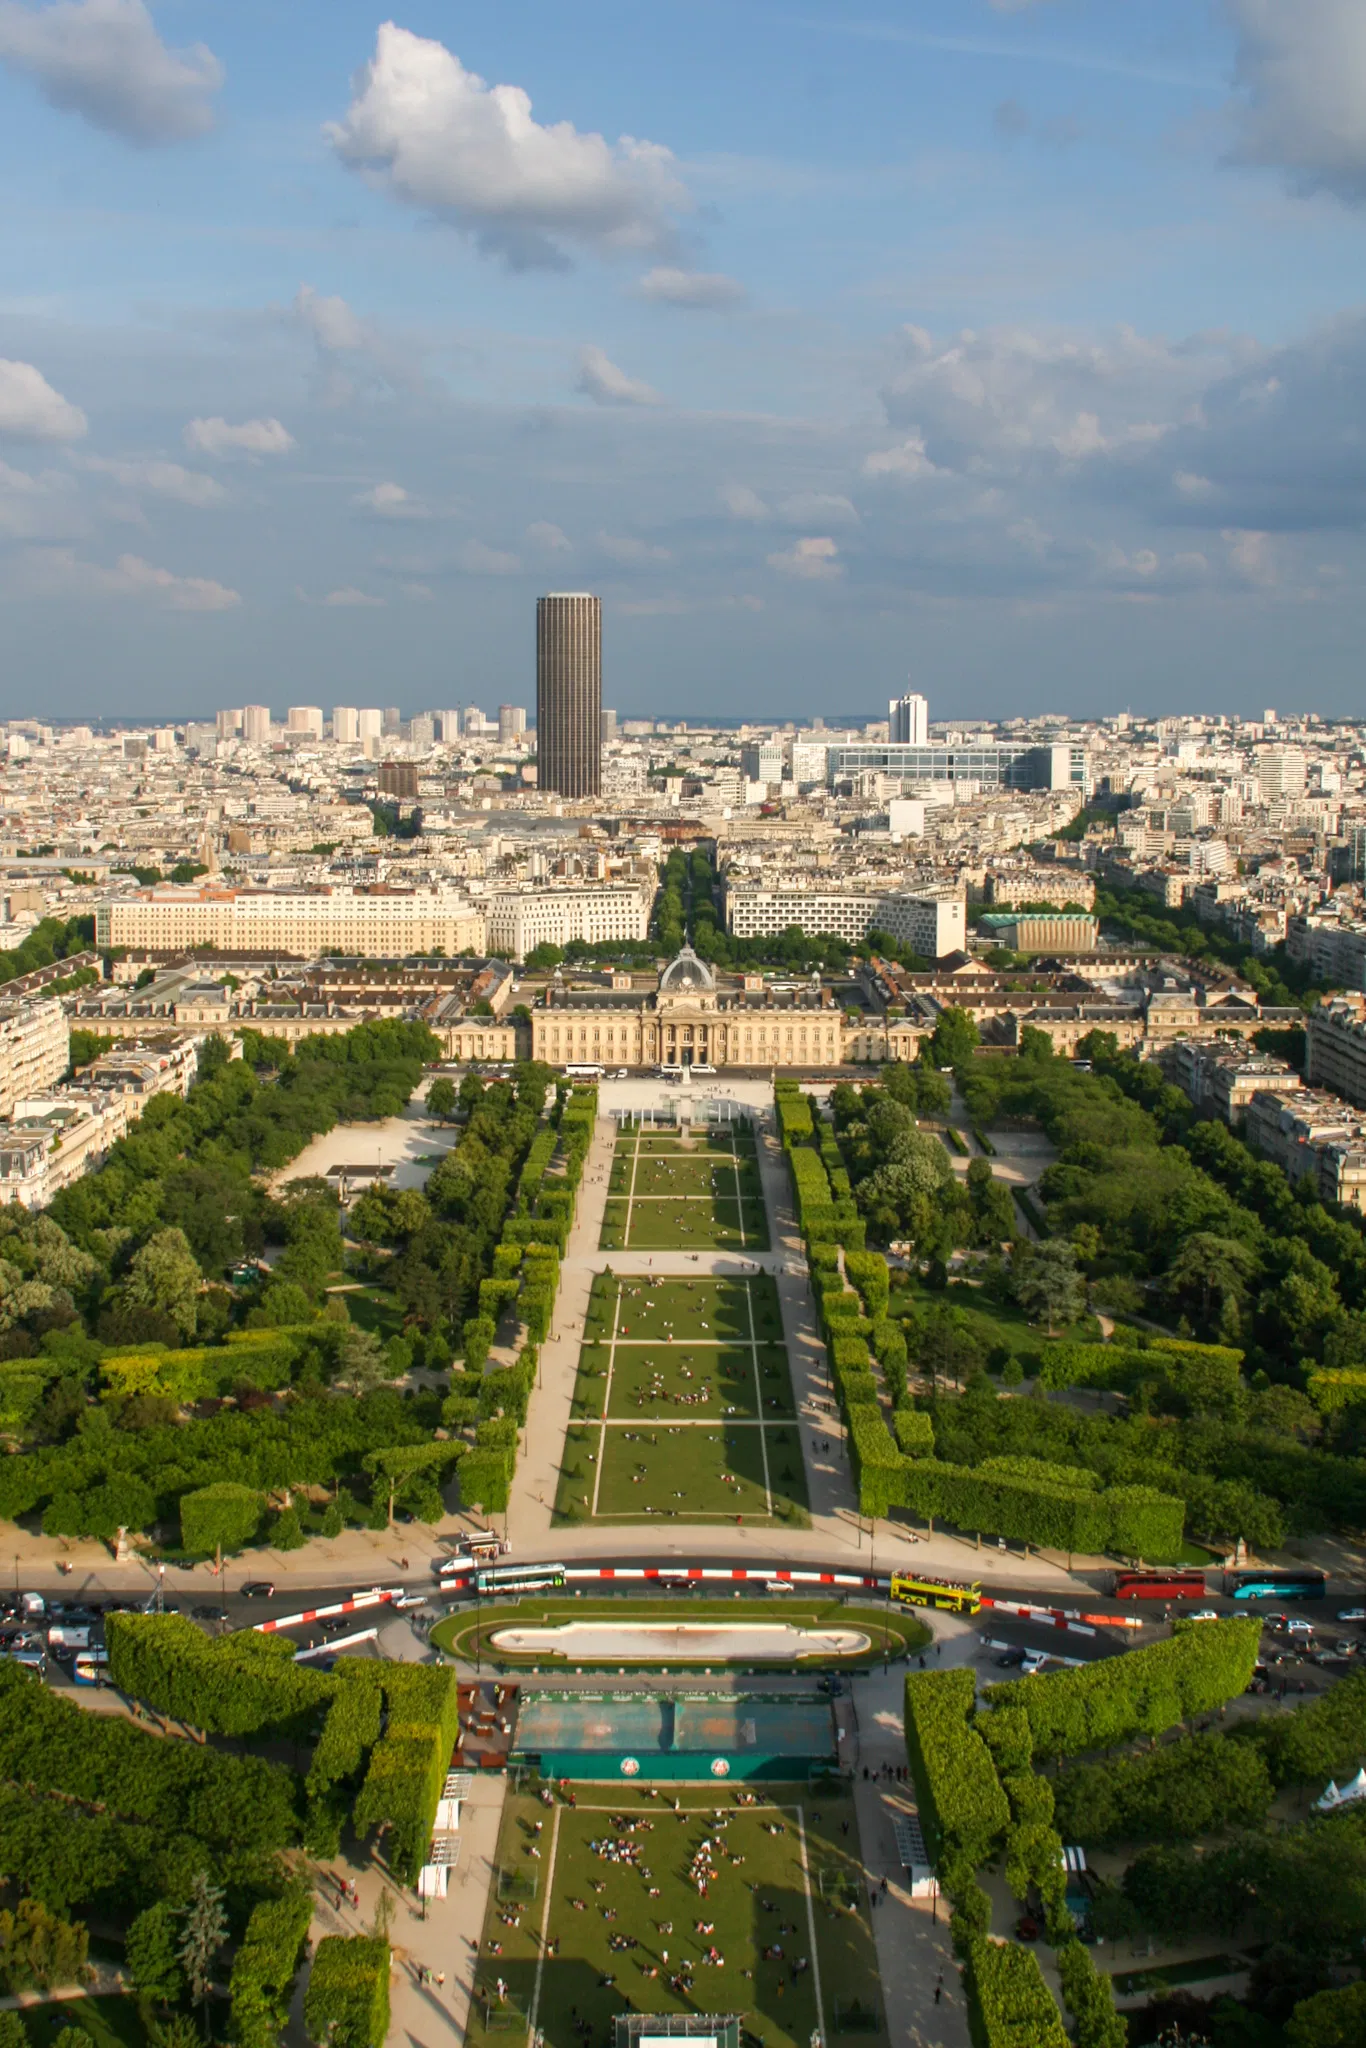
(1001, 1632)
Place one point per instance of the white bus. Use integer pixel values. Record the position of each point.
(584, 1072)
(671, 1073)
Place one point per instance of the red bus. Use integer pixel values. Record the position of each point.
(1187, 1585)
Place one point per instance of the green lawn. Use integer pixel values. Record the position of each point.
(110, 2022)
(679, 1413)
(893, 1631)
(995, 1324)
(771, 1898)
(671, 1194)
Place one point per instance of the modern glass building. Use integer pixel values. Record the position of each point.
(1007, 765)
(569, 693)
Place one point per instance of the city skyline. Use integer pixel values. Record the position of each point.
(1003, 343)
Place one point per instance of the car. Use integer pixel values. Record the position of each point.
(1352, 1614)
(1010, 1659)
(162, 1606)
(1034, 1661)
(207, 1611)
(623, 1073)
(1347, 1646)
(1303, 1629)
(334, 1624)
(1204, 1614)
(258, 1589)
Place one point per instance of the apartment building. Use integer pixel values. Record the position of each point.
(1336, 1047)
(1332, 947)
(520, 920)
(56, 1136)
(1055, 885)
(304, 923)
(1221, 1079)
(34, 1050)
(933, 923)
(1310, 1132)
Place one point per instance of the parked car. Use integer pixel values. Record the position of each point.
(258, 1589)
(1009, 1660)
(1035, 1660)
(336, 1624)
(1204, 1614)
(1352, 1614)
(208, 1611)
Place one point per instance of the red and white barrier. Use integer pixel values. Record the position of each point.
(380, 1596)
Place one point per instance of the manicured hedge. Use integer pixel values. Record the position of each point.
(1143, 1692)
(1331, 1390)
(264, 1967)
(408, 1764)
(352, 1726)
(914, 1433)
(1089, 1995)
(245, 1684)
(346, 2003)
(959, 1793)
(1131, 1521)
(875, 1458)
(1009, 2004)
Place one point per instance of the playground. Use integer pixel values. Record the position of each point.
(685, 1193)
(679, 1899)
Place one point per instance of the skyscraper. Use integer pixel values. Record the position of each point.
(908, 721)
(345, 725)
(256, 724)
(569, 693)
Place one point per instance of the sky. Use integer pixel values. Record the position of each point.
(1009, 350)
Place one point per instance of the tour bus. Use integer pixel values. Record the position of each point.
(519, 1578)
(668, 1073)
(32, 1660)
(918, 1589)
(701, 1067)
(1188, 1585)
(585, 1071)
(1265, 1585)
(91, 1668)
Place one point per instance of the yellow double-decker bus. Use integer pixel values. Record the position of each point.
(916, 1591)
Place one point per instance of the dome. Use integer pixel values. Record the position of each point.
(684, 972)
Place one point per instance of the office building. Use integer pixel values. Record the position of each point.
(569, 693)
(990, 766)
(931, 922)
(447, 727)
(522, 919)
(256, 724)
(1280, 774)
(421, 729)
(229, 723)
(398, 779)
(305, 721)
(511, 723)
(393, 721)
(382, 922)
(762, 762)
(609, 727)
(345, 725)
(908, 721)
(369, 724)
(475, 722)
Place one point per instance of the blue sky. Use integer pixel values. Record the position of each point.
(1016, 349)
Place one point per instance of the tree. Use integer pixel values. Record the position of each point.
(1035, 1044)
(286, 1531)
(954, 1039)
(204, 1934)
(544, 958)
(441, 1097)
(1046, 1282)
(38, 1947)
(1331, 2019)
(164, 1278)
(153, 1955)
(1212, 1269)
(13, 2033)
(361, 1362)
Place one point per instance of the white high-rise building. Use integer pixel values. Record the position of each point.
(421, 729)
(370, 724)
(449, 724)
(229, 724)
(908, 720)
(306, 720)
(511, 723)
(345, 724)
(474, 719)
(256, 724)
(1280, 773)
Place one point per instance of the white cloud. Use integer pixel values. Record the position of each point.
(251, 437)
(1249, 555)
(626, 548)
(349, 597)
(332, 323)
(36, 507)
(1300, 71)
(391, 501)
(419, 593)
(743, 503)
(1188, 485)
(817, 508)
(908, 459)
(31, 409)
(104, 60)
(701, 290)
(477, 560)
(814, 559)
(601, 380)
(352, 354)
(57, 572)
(437, 136)
(162, 479)
(549, 538)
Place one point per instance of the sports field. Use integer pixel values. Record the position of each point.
(683, 1406)
(699, 1193)
(604, 1909)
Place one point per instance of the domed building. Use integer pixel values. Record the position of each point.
(689, 1017)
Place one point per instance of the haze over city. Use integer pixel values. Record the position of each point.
(1013, 347)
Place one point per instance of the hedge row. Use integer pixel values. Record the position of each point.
(1145, 1692)
(1331, 1390)
(245, 1684)
(263, 1359)
(1009, 2004)
(959, 1794)
(264, 1967)
(1089, 1995)
(1205, 1376)
(347, 2000)
(408, 1764)
(794, 1112)
(1053, 1513)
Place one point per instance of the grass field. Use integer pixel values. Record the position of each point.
(892, 1631)
(109, 2022)
(790, 1890)
(685, 1194)
(683, 1406)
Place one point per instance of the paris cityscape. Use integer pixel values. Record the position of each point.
(683, 1317)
